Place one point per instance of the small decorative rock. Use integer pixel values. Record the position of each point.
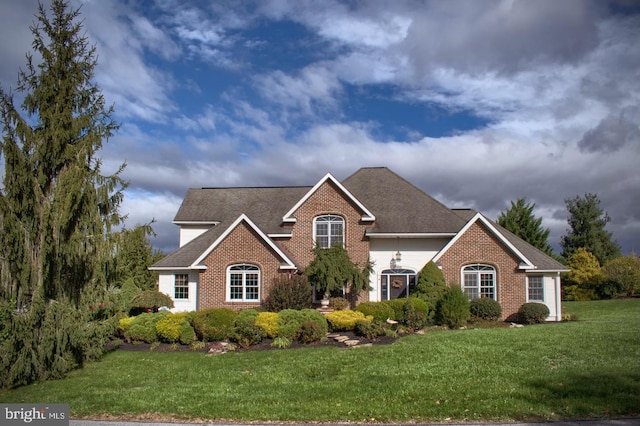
(217, 348)
(341, 338)
(351, 342)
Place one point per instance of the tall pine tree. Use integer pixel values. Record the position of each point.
(520, 220)
(57, 209)
(587, 221)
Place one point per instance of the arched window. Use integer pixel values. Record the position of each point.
(479, 281)
(397, 283)
(328, 231)
(243, 283)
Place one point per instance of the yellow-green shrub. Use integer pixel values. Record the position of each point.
(346, 319)
(268, 321)
(124, 324)
(176, 327)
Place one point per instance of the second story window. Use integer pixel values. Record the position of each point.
(329, 231)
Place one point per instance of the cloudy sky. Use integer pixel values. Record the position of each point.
(476, 102)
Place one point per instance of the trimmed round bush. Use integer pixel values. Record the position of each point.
(143, 327)
(269, 323)
(486, 309)
(310, 332)
(124, 324)
(533, 313)
(245, 331)
(338, 303)
(175, 327)
(370, 329)
(380, 311)
(397, 305)
(345, 320)
(214, 324)
(452, 309)
(290, 322)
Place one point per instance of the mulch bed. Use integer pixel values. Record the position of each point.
(265, 345)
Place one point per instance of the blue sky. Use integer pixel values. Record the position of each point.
(477, 102)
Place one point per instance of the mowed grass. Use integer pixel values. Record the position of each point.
(585, 368)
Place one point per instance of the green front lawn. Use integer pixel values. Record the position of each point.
(585, 368)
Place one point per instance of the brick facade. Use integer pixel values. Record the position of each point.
(244, 245)
(478, 245)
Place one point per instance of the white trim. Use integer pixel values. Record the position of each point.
(280, 235)
(477, 272)
(288, 263)
(330, 221)
(527, 263)
(410, 234)
(527, 286)
(244, 282)
(367, 216)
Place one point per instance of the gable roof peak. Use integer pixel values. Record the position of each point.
(366, 214)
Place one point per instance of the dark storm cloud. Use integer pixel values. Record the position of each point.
(500, 36)
(613, 132)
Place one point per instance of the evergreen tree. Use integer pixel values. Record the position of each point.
(133, 257)
(56, 208)
(587, 221)
(520, 220)
(332, 270)
(431, 285)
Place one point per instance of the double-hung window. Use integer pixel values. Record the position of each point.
(243, 283)
(479, 281)
(181, 287)
(329, 231)
(535, 288)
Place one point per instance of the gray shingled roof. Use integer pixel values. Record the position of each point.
(399, 207)
(539, 259)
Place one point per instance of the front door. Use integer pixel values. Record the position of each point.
(397, 283)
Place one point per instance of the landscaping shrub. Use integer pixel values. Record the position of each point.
(245, 331)
(269, 323)
(124, 324)
(397, 305)
(286, 292)
(345, 320)
(486, 309)
(310, 332)
(176, 328)
(431, 286)
(452, 309)
(143, 327)
(533, 313)
(338, 303)
(370, 329)
(214, 323)
(412, 317)
(380, 311)
(289, 322)
(150, 300)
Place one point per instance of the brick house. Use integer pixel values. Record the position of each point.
(235, 241)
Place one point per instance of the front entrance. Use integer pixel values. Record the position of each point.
(397, 283)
